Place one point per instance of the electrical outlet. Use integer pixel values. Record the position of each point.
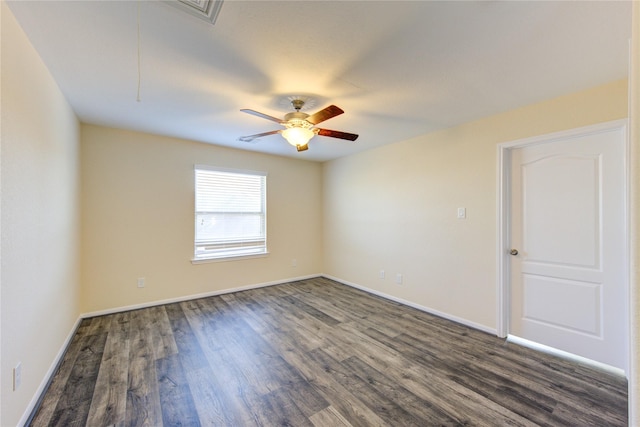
(141, 282)
(381, 275)
(17, 376)
(294, 263)
(399, 279)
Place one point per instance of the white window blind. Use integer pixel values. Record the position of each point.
(230, 213)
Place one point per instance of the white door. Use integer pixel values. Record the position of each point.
(568, 226)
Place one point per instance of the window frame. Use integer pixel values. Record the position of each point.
(235, 251)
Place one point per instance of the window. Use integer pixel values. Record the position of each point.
(231, 218)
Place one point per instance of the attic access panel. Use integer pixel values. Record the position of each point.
(203, 9)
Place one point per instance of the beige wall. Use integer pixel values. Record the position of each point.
(40, 216)
(634, 80)
(394, 207)
(138, 219)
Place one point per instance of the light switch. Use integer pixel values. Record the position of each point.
(462, 213)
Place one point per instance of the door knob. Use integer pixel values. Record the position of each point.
(513, 252)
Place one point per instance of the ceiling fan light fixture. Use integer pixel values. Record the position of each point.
(298, 136)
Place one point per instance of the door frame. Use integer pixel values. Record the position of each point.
(504, 218)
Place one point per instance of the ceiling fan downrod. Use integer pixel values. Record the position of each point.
(297, 104)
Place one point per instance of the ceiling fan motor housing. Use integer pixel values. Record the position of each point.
(296, 115)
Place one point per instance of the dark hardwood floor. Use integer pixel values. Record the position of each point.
(314, 353)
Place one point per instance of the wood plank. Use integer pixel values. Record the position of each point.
(186, 342)
(311, 310)
(324, 305)
(220, 392)
(283, 323)
(109, 403)
(342, 400)
(338, 391)
(433, 384)
(99, 325)
(210, 400)
(45, 411)
(383, 406)
(329, 417)
(390, 392)
(164, 344)
(143, 399)
(308, 400)
(73, 406)
(237, 380)
(314, 352)
(175, 396)
(277, 409)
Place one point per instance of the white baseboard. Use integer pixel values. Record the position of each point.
(49, 375)
(194, 296)
(564, 355)
(429, 310)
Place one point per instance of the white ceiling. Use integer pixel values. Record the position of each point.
(398, 69)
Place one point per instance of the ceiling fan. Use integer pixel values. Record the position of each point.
(300, 127)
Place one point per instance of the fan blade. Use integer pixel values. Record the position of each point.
(337, 134)
(304, 147)
(264, 116)
(250, 138)
(326, 114)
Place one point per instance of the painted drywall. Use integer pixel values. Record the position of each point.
(394, 208)
(138, 219)
(634, 107)
(40, 217)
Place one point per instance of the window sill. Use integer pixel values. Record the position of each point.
(228, 258)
